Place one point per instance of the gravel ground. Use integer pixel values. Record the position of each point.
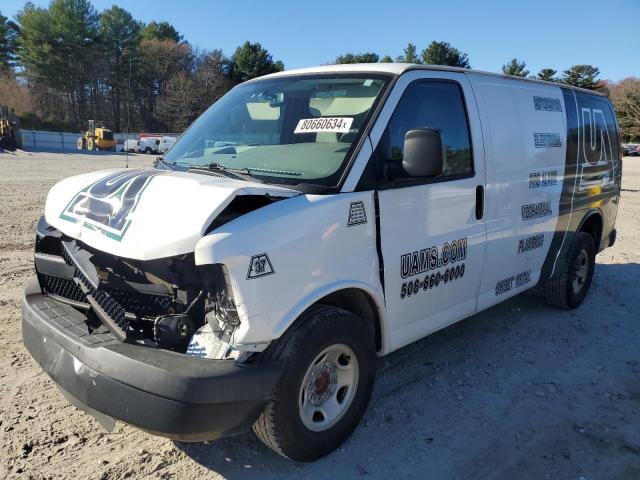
(519, 391)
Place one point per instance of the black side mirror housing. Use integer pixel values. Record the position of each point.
(423, 154)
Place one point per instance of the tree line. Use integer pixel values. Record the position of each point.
(66, 63)
(624, 94)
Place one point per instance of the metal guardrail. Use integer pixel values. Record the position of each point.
(41, 140)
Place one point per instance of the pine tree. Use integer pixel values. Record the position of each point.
(367, 57)
(8, 48)
(386, 59)
(410, 55)
(548, 74)
(161, 31)
(442, 53)
(585, 76)
(120, 41)
(58, 50)
(250, 60)
(515, 68)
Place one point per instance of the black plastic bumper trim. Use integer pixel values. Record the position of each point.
(163, 392)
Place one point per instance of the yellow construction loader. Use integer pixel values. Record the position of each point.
(10, 137)
(96, 137)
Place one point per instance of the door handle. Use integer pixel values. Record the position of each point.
(479, 202)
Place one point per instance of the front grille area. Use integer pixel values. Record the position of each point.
(61, 287)
(140, 304)
(119, 304)
(111, 307)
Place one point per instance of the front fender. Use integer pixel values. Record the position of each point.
(308, 248)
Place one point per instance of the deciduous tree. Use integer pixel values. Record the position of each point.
(625, 96)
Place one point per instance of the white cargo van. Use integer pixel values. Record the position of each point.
(306, 223)
(149, 144)
(130, 145)
(166, 143)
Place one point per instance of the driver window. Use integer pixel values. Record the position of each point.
(436, 105)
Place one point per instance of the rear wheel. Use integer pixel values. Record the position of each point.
(570, 287)
(329, 364)
(80, 143)
(91, 144)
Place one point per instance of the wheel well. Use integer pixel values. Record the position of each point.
(592, 225)
(360, 303)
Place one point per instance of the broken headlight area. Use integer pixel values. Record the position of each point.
(156, 303)
(215, 338)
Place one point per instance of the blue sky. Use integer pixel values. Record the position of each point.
(544, 33)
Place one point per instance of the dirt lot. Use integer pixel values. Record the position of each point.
(520, 391)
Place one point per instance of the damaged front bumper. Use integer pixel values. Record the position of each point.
(159, 391)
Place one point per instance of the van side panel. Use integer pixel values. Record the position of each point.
(593, 173)
(524, 131)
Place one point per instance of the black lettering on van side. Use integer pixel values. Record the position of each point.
(536, 210)
(546, 140)
(505, 285)
(543, 179)
(433, 257)
(547, 104)
(530, 243)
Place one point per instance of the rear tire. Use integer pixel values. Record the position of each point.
(320, 397)
(570, 287)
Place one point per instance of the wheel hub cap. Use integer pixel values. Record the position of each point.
(580, 271)
(328, 387)
(322, 383)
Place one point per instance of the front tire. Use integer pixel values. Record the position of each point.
(329, 364)
(568, 289)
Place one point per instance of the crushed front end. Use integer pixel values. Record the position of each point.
(114, 334)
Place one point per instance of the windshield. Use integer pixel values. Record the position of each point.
(288, 130)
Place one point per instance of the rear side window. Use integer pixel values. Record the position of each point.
(439, 106)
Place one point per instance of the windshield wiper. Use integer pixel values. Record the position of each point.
(242, 173)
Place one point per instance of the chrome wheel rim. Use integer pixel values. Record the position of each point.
(580, 271)
(328, 387)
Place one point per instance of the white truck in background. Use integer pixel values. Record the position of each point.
(166, 143)
(149, 144)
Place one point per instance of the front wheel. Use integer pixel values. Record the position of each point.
(329, 364)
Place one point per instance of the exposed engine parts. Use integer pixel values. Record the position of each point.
(173, 331)
(157, 303)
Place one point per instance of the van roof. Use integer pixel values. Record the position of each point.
(399, 68)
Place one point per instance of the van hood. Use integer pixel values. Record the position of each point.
(144, 214)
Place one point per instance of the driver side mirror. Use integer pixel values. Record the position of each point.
(423, 155)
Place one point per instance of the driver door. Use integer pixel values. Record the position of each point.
(432, 229)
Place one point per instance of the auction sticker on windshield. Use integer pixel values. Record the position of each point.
(324, 124)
